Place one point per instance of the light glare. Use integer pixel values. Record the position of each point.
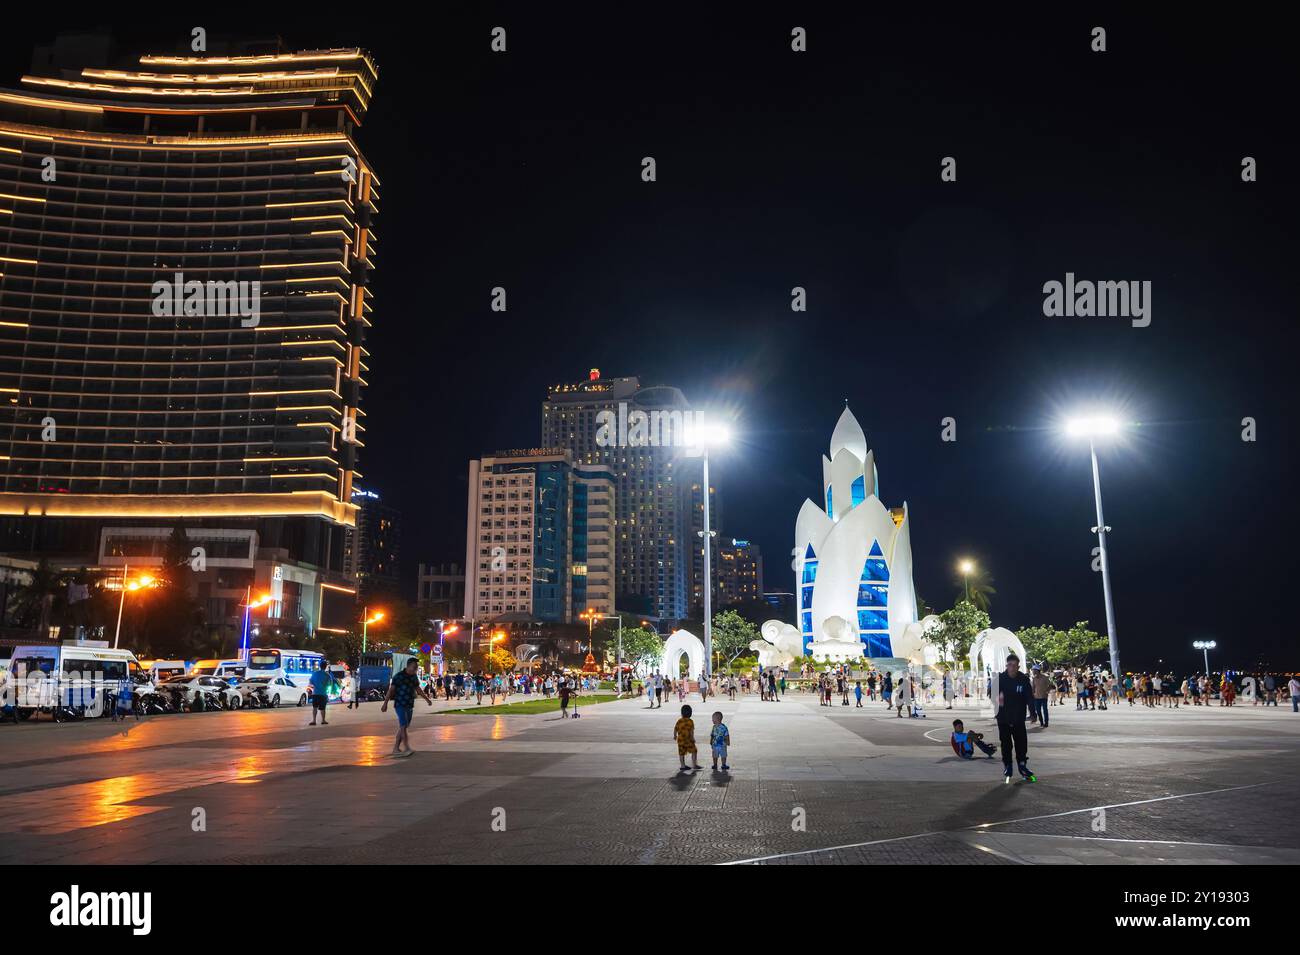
(1092, 426)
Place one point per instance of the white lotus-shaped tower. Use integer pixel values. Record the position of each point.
(853, 558)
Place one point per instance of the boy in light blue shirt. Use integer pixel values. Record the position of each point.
(719, 740)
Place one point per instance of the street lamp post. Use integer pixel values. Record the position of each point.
(1091, 428)
(709, 435)
(249, 605)
(121, 602)
(708, 571)
(592, 616)
(144, 581)
(366, 621)
(1205, 646)
(966, 568)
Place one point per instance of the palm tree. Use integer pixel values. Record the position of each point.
(923, 608)
(976, 588)
(34, 602)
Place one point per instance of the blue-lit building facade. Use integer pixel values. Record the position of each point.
(539, 537)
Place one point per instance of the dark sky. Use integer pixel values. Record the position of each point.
(821, 169)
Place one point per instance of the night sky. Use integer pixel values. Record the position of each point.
(821, 169)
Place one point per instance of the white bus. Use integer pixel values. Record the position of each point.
(69, 680)
(296, 666)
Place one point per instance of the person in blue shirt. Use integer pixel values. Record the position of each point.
(320, 688)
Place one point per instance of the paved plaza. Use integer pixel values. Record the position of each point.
(809, 785)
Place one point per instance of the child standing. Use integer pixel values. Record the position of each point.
(857, 693)
(719, 740)
(684, 734)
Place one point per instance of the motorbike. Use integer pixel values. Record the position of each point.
(154, 703)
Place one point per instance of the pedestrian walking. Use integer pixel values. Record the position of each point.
(401, 692)
(1042, 685)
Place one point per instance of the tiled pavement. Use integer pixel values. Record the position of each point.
(809, 785)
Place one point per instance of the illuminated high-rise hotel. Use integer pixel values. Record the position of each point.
(185, 259)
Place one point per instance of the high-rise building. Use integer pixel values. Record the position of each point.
(652, 474)
(738, 573)
(372, 548)
(440, 591)
(539, 540)
(185, 254)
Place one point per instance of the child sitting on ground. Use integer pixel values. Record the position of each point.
(719, 740)
(964, 743)
(684, 734)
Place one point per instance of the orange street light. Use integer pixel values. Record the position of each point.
(366, 621)
(144, 580)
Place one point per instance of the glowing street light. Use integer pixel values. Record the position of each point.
(249, 606)
(967, 567)
(144, 580)
(366, 621)
(1093, 427)
(1205, 646)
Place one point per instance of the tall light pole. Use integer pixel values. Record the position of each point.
(249, 605)
(709, 436)
(366, 621)
(144, 581)
(618, 660)
(1205, 646)
(1092, 428)
(967, 567)
(121, 602)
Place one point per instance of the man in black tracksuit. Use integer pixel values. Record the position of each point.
(1013, 695)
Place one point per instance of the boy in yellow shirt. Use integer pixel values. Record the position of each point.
(684, 734)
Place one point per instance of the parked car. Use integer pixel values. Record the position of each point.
(271, 691)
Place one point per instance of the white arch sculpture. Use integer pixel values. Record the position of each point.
(990, 649)
(679, 642)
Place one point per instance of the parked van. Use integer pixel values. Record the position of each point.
(222, 669)
(70, 680)
(160, 670)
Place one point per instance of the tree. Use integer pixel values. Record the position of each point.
(496, 660)
(33, 604)
(165, 619)
(923, 609)
(1079, 642)
(642, 647)
(957, 630)
(1061, 647)
(1042, 643)
(976, 588)
(732, 634)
